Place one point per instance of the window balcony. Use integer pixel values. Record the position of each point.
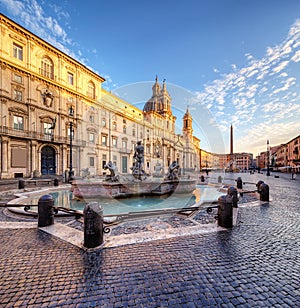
(125, 151)
(25, 134)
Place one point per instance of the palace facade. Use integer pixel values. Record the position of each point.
(284, 157)
(55, 114)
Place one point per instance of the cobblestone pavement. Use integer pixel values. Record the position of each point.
(256, 264)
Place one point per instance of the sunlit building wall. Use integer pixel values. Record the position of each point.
(38, 86)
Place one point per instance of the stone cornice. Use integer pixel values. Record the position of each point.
(39, 41)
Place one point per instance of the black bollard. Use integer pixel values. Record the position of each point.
(45, 211)
(93, 225)
(264, 192)
(202, 178)
(56, 182)
(232, 191)
(225, 211)
(258, 185)
(239, 183)
(21, 184)
(219, 179)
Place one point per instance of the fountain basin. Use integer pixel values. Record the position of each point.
(94, 189)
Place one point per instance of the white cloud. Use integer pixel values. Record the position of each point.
(260, 133)
(280, 67)
(287, 84)
(296, 56)
(39, 22)
(261, 92)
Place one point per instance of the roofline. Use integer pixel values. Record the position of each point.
(4, 17)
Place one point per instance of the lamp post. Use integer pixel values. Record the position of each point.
(268, 158)
(71, 172)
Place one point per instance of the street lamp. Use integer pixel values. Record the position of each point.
(268, 158)
(71, 172)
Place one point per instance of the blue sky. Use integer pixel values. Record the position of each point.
(231, 61)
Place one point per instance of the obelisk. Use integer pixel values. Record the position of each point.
(231, 149)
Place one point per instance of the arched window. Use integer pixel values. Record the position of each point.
(47, 68)
(91, 90)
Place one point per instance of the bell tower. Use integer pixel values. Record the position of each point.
(187, 123)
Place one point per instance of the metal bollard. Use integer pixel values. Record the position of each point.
(45, 211)
(56, 182)
(202, 178)
(258, 185)
(225, 211)
(219, 179)
(232, 191)
(93, 225)
(239, 183)
(264, 192)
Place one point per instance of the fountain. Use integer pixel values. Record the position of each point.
(136, 184)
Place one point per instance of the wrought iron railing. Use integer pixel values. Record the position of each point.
(4, 130)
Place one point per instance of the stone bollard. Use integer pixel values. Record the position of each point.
(21, 184)
(93, 225)
(219, 179)
(56, 182)
(264, 192)
(258, 185)
(45, 211)
(239, 183)
(225, 211)
(232, 191)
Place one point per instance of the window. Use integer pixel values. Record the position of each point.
(103, 160)
(91, 90)
(18, 78)
(18, 95)
(115, 160)
(47, 130)
(104, 122)
(133, 132)
(92, 137)
(18, 122)
(70, 78)
(114, 126)
(18, 52)
(92, 161)
(92, 119)
(47, 68)
(124, 129)
(124, 144)
(69, 132)
(104, 140)
(115, 142)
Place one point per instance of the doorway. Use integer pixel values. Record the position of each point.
(48, 160)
